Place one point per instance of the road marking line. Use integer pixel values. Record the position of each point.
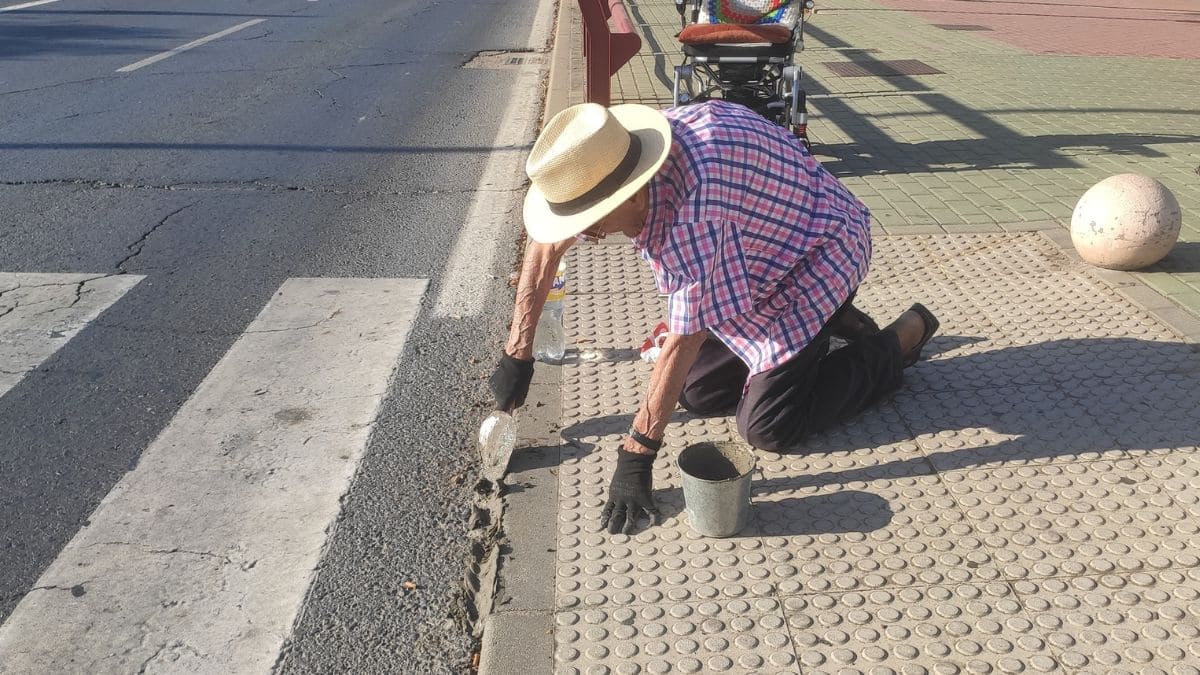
(26, 4)
(199, 559)
(191, 45)
(39, 313)
(499, 192)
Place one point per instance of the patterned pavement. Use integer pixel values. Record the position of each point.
(1004, 135)
(1029, 501)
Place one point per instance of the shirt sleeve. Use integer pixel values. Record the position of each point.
(708, 280)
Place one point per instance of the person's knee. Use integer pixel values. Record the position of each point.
(771, 434)
(697, 406)
(764, 435)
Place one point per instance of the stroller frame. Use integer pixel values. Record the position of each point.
(761, 76)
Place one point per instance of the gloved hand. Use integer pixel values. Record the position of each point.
(510, 382)
(629, 493)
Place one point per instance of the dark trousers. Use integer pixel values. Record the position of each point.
(813, 391)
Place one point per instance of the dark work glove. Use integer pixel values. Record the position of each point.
(629, 493)
(510, 382)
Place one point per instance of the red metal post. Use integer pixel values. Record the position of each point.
(605, 51)
(625, 41)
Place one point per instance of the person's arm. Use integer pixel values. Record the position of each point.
(629, 492)
(537, 276)
(666, 382)
(514, 372)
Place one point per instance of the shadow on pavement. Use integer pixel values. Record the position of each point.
(1185, 257)
(874, 150)
(1073, 399)
(26, 39)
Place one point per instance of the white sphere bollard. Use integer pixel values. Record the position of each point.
(1126, 222)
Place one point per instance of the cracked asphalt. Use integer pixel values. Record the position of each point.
(333, 140)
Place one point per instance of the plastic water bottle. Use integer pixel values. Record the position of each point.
(497, 438)
(550, 339)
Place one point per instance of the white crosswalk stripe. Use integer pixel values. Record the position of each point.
(198, 560)
(39, 313)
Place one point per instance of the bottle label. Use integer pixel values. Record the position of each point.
(558, 290)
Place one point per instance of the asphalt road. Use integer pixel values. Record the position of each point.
(331, 139)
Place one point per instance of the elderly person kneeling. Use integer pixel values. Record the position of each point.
(760, 250)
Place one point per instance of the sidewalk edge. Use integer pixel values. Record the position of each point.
(1133, 288)
(518, 633)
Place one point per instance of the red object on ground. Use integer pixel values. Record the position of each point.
(1154, 28)
(652, 344)
(605, 50)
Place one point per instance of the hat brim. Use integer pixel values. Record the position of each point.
(547, 226)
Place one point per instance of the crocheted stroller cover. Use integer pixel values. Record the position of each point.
(786, 12)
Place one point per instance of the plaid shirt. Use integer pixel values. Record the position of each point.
(750, 236)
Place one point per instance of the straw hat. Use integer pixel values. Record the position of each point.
(586, 162)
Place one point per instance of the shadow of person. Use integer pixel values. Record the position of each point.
(1074, 398)
(1070, 398)
(838, 512)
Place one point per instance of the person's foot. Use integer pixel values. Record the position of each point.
(914, 328)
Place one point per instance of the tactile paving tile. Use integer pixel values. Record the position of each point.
(875, 444)
(620, 321)
(857, 514)
(1008, 426)
(958, 315)
(1061, 306)
(871, 532)
(989, 256)
(1120, 623)
(736, 636)
(971, 628)
(1075, 519)
(1153, 413)
(594, 391)
(1178, 472)
(607, 269)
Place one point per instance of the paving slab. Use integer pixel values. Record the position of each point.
(1015, 128)
(893, 541)
(1028, 502)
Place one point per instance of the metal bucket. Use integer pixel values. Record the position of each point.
(716, 486)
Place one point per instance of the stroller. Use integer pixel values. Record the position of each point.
(741, 51)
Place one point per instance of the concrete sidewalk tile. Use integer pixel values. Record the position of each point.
(712, 636)
(528, 556)
(1030, 226)
(1149, 618)
(937, 626)
(1076, 519)
(1165, 283)
(1145, 296)
(538, 420)
(1180, 320)
(969, 228)
(517, 643)
(1021, 504)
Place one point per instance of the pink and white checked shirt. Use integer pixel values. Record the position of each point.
(749, 235)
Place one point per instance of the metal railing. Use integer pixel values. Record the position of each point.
(605, 50)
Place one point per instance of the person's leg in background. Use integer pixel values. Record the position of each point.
(714, 384)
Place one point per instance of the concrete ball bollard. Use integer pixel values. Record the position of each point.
(1126, 222)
